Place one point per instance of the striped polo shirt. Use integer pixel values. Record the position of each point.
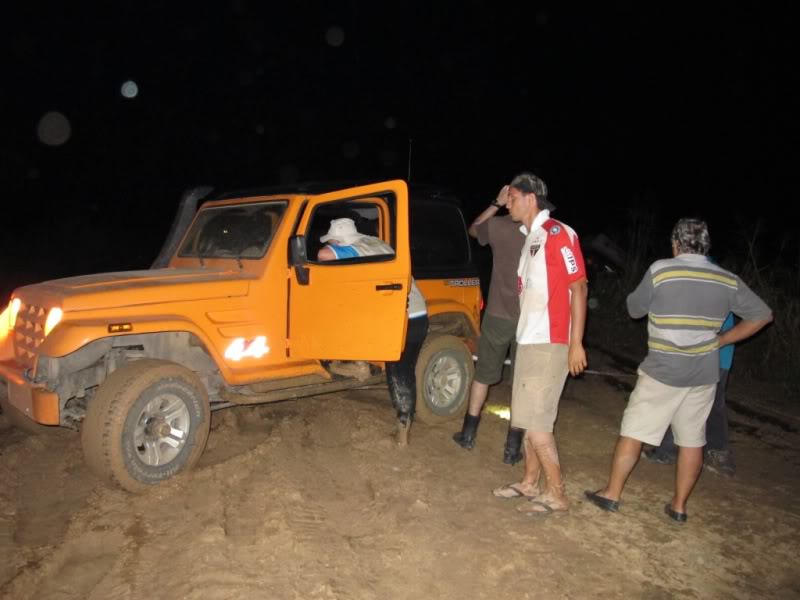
(686, 300)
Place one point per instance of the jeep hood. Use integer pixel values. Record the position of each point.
(135, 288)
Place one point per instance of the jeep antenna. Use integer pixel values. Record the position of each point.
(409, 160)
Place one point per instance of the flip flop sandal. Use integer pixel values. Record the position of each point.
(510, 491)
(530, 508)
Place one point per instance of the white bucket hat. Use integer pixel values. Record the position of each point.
(342, 230)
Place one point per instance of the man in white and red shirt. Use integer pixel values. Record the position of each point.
(551, 280)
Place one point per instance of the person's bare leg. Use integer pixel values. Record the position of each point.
(547, 452)
(626, 455)
(690, 463)
(554, 496)
(477, 397)
(533, 467)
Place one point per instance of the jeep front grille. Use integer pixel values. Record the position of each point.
(29, 333)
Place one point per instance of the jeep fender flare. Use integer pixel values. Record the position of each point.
(451, 318)
(71, 336)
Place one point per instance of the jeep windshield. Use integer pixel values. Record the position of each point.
(241, 231)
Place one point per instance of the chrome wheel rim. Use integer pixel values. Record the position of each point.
(444, 381)
(162, 429)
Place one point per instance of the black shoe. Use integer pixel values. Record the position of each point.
(512, 453)
(466, 437)
(676, 516)
(658, 457)
(600, 502)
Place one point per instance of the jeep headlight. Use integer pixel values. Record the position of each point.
(53, 319)
(13, 311)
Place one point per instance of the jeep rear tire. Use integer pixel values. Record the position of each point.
(444, 375)
(18, 419)
(148, 422)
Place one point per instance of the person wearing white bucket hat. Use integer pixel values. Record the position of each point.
(344, 241)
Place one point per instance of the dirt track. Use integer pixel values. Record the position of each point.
(312, 499)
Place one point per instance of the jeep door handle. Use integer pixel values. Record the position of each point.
(389, 287)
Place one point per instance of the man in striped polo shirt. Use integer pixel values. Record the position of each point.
(686, 299)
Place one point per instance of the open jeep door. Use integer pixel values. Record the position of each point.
(352, 308)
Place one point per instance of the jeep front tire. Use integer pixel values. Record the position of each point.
(149, 422)
(444, 375)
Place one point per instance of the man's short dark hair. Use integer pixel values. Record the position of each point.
(528, 183)
(691, 236)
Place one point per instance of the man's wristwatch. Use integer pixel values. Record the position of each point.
(496, 204)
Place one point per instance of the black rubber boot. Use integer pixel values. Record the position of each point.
(404, 420)
(466, 437)
(512, 453)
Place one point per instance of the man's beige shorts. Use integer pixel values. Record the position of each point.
(654, 406)
(540, 371)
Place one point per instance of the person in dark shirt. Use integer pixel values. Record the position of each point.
(499, 324)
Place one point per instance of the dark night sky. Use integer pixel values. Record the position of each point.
(685, 111)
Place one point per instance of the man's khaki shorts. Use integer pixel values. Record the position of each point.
(654, 406)
(539, 375)
(497, 335)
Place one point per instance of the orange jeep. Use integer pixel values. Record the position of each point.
(237, 310)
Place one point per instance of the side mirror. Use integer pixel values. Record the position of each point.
(298, 258)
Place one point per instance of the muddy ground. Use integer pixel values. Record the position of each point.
(312, 499)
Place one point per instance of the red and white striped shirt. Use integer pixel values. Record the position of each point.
(551, 260)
